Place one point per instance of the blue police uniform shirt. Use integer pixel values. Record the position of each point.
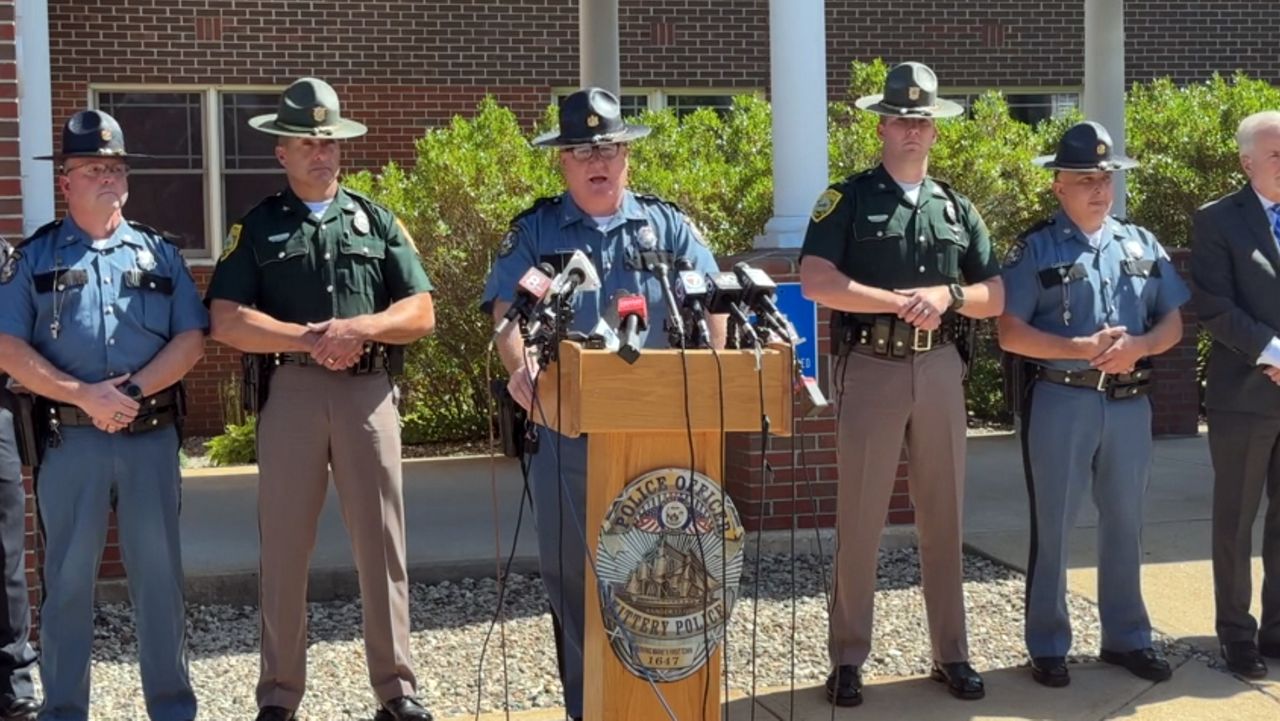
(1056, 282)
(112, 305)
(556, 227)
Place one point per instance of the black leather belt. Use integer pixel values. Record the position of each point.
(155, 411)
(1117, 386)
(372, 361)
(889, 336)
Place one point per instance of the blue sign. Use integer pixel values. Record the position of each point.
(803, 314)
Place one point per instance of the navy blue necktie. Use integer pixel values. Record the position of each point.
(1275, 221)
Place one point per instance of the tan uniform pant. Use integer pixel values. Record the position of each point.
(315, 419)
(922, 398)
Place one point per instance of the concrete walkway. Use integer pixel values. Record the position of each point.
(451, 534)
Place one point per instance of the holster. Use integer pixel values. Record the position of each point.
(841, 334)
(395, 359)
(515, 432)
(966, 340)
(180, 411)
(31, 443)
(255, 381)
(1017, 377)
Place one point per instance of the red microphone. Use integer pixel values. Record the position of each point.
(633, 317)
(530, 289)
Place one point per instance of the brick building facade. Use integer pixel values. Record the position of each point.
(183, 78)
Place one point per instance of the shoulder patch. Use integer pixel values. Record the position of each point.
(232, 242)
(508, 244)
(825, 204)
(10, 266)
(1014, 254)
(407, 235)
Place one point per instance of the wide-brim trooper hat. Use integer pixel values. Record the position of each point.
(309, 108)
(910, 91)
(92, 134)
(1086, 148)
(590, 116)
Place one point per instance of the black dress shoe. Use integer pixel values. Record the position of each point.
(962, 681)
(1050, 671)
(1270, 650)
(844, 686)
(403, 708)
(1143, 663)
(275, 713)
(20, 708)
(1242, 658)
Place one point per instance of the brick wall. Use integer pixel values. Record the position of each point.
(1176, 400)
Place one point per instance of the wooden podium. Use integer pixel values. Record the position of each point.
(638, 422)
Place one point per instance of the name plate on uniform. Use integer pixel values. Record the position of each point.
(669, 560)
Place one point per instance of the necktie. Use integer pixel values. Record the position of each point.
(1275, 221)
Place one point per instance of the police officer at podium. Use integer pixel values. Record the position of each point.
(599, 216)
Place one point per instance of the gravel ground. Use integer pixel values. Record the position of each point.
(450, 621)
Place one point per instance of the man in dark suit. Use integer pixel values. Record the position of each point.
(1235, 264)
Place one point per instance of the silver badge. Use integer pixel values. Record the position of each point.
(670, 557)
(1134, 249)
(648, 239)
(277, 238)
(361, 223)
(950, 212)
(146, 261)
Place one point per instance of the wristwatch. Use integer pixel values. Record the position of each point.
(133, 390)
(957, 296)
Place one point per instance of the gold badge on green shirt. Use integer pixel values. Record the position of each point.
(361, 223)
(233, 241)
(826, 203)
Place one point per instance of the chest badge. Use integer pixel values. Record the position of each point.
(949, 212)
(361, 222)
(1134, 249)
(146, 261)
(647, 239)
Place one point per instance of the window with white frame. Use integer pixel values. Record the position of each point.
(1028, 106)
(180, 190)
(683, 102)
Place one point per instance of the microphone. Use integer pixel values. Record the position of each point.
(529, 290)
(758, 291)
(578, 274)
(633, 314)
(691, 293)
(658, 262)
(725, 296)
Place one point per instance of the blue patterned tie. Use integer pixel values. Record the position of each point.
(1275, 221)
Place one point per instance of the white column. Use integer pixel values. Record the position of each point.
(798, 63)
(35, 112)
(599, 54)
(1104, 76)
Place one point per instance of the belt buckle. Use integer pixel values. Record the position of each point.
(916, 346)
(1102, 382)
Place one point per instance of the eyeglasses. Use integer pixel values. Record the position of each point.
(583, 153)
(98, 171)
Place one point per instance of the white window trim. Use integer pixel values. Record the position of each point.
(211, 145)
(658, 97)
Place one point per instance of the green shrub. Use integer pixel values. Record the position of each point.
(238, 444)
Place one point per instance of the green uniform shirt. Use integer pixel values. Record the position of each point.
(866, 227)
(354, 260)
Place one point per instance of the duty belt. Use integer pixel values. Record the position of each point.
(1117, 386)
(891, 337)
(374, 359)
(154, 411)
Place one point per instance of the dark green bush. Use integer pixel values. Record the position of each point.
(238, 445)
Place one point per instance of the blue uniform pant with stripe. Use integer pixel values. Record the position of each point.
(78, 484)
(1077, 441)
